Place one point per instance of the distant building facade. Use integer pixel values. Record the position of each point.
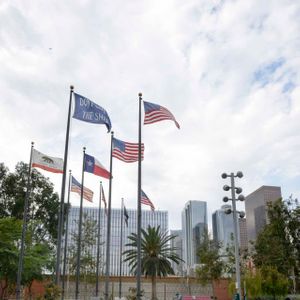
(177, 244)
(152, 218)
(243, 233)
(256, 209)
(223, 227)
(194, 223)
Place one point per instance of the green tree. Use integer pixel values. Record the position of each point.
(10, 232)
(273, 282)
(36, 259)
(88, 241)
(211, 264)
(253, 284)
(230, 259)
(43, 202)
(277, 245)
(156, 254)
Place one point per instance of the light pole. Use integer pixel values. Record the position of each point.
(234, 190)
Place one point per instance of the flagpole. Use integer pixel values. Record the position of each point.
(24, 228)
(79, 231)
(66, 238)
(62, 197)
(98, 241)
(139, 210)
(108, 225)
(121, 246)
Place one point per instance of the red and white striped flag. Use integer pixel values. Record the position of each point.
(76, 188)
(155, 113)
(127, 152)
(145, 200)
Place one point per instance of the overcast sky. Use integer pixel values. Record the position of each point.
(227, 70)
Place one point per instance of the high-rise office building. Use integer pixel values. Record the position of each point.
(256, 209)
(223, 227)
(152, 218)
(243, 233)
(177, 244)
(194, 223)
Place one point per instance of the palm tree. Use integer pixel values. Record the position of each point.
(156, 254)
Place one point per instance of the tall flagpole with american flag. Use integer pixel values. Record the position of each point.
(139, 209)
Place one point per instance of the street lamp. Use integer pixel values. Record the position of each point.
(235, 213)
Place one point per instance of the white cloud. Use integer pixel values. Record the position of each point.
(197, 58)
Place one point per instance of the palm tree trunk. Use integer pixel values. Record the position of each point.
(153, 280)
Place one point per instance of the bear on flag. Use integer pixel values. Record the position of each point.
(46, 162)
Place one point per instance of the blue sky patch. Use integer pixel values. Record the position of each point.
(263, 75)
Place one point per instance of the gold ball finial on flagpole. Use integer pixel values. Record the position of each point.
(71, 87)
(140, 94)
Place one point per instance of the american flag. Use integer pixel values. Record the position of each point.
(103, 199)
(145, 200)
(155, 113)
(127, 152)
(76, 188)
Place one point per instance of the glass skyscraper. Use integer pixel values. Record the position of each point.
(223, 227)
(194, 223)
(177, 244)
(152, 218)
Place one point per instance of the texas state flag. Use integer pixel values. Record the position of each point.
(92, 165)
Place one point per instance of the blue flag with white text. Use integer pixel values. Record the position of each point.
(88, 111)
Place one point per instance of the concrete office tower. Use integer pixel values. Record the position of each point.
(177, 244)
(194, 222)
(223, 227)
(256, 209)
(243, 234)
(152, 218)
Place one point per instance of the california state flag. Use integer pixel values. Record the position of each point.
(46, 162)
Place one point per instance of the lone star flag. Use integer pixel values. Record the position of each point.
(76, 188)
(88, 111)
(155, 113)
(127, 152)
(145, 200)
(92, 165)
(126, 216)
(46, 162)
